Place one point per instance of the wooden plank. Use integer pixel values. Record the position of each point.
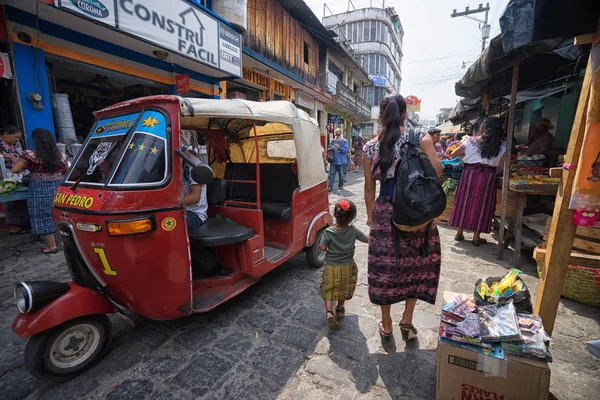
(269, 28)
(586, 246)
(584, 39)
(506, 176)
(592, 232)
(577, 258)
(560, 241)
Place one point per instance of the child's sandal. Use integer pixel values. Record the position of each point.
(332, 321)
(340, 312)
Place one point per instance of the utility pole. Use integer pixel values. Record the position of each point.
(485, 28)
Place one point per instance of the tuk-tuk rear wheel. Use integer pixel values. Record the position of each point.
(62, 353)
(314, 255)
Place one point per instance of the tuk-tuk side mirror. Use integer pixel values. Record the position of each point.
(202, 174)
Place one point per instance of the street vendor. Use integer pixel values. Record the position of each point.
(541, 140)
(17, 216)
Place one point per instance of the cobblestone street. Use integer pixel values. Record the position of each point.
(271, 341)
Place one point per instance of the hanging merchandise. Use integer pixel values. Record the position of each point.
(585, 199)
(63, 118)
(5, 71)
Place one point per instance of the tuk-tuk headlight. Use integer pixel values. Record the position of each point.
(131, 226)
(23, 297)
(34, 295)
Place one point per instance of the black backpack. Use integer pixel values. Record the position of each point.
(418, 196)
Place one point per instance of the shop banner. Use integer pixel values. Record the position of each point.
(175, 25)
(586, 190)
(5, 71)
(182, 83)
(305, 101)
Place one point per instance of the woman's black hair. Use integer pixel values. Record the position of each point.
(392, 113)
(492, 134)
(46, 151)
(344, 217)
(9, 130)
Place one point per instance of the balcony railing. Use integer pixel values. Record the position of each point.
(352, 102)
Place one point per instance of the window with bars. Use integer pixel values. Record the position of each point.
(373, 95)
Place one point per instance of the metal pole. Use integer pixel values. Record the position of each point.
(484, 26)
(506, 175)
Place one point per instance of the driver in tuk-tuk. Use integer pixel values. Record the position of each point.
(196, 205)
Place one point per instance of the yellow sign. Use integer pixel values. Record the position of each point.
(168, 224)
(256, 78)
(74, 200)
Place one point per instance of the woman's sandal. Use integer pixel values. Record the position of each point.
(459, 238)
(332, 322)
(382, 333)
(408, 331)
(21, 231)
(340, 312)
(47, 251)
(479, 242)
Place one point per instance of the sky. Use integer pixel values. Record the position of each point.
(435, 45)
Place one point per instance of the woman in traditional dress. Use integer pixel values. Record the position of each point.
(415, 274)
(475, 199)
(17, 217)
(46, 165)
(358, 153)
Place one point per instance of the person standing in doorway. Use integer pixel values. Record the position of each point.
(340, 148)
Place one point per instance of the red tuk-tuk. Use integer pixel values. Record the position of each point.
(122, 220)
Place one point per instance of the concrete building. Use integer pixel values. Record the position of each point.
(374, 36)
(443, 115)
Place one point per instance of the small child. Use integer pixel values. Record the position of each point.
(338, 279)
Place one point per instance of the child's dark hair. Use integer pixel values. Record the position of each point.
(344, 212)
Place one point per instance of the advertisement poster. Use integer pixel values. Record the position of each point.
(586, 189)
(413, 104)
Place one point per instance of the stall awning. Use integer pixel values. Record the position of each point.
(541, 61)
(528, 21)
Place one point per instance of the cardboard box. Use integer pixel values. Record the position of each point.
(463, 374)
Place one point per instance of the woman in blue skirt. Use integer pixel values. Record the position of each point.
(46, 165)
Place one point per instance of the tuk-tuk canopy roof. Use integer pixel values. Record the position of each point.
(275, 111)
(202, 113)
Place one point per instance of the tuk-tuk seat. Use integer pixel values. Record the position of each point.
(217, 232)
(278, 183)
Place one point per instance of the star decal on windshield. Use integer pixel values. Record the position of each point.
(150, 121)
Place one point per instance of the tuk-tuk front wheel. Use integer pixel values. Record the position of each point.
(62, 353)
(314, 255)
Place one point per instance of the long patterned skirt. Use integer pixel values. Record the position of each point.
(16, 213)
(415, 273)
(40, 198)
(475, 199)
(338, 282)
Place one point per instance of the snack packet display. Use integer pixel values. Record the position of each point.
(500, 290)
(498, 323)
(534, 340)
(459, 307)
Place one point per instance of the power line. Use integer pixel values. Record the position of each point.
(442, 58)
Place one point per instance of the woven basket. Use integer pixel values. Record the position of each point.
(582, 284)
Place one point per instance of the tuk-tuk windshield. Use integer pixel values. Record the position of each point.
(144, 160)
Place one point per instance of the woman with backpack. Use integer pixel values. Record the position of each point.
(475, 199)
(402, 266)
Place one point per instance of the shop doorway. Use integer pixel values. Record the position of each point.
(89, 89)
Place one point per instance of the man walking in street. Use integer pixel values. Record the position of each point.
(339, 147)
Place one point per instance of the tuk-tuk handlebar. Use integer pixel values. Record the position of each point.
(187, 158)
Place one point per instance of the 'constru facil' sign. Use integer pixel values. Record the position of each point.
(175, 25)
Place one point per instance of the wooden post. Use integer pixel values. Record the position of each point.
(506, 175)
(560, 241)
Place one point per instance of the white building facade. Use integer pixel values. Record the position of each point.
(374, 36)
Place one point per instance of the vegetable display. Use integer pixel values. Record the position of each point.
(7, 187)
